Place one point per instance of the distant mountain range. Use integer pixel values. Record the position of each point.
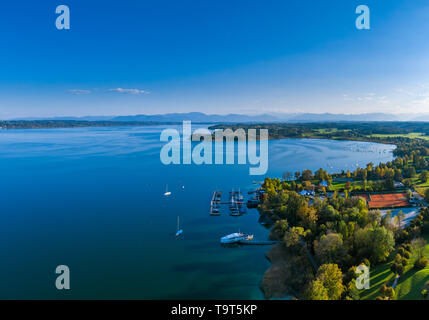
(234, 118)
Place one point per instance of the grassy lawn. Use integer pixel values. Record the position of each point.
(409, 285)
(420, 186)
(327, 131)
(379, 276)
(413, 135)
(412, 281)
(420, 183)
(423, 185)
(336, 185)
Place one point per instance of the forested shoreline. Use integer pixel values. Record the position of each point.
(335, 229)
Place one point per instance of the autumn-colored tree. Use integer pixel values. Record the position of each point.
(293, 236)
(331, 277)
(316, 291)
(330, 248)
(424, 176)
(427, 195)
(307, 175)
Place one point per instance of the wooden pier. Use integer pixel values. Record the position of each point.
(257, 242)
(237, 205)
(215, 203)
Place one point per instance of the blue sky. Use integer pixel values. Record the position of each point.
(159, 56)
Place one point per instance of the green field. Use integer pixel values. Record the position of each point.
(420, 186)
(410, 284)
(330, 130)
(379, 276)
(412, 281)
(336, 185)
(413, 135)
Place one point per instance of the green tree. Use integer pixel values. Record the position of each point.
(424, 176)
(427, 195)
(410, 172)
(279, 229)
(331, 277)
(397, 268)
(330, 248)
(293, 236)
(374, 243)
(316, 291)
(418, 247)
(399, 218)
(307, 175)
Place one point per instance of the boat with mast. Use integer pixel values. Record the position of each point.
(236, 207)
(167, 193)
(179, 231)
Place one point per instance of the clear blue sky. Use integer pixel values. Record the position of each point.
(158, 56)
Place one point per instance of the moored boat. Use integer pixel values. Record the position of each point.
(236, 237)
(179, 231)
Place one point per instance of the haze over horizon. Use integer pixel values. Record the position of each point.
(246, 57)
(237, 118)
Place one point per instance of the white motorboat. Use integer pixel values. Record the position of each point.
(236, 237)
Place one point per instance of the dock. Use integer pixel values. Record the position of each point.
(258, 242)
(215, 202)
(237, 203)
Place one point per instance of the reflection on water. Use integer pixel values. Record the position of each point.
(92, 198)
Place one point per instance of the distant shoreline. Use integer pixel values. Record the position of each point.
(57, 124)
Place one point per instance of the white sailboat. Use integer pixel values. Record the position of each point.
(179, 231)
(167, 193)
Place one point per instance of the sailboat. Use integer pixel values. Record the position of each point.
(167, 193)
(179, 231)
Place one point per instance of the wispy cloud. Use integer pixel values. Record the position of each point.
(417, 97)
(129, 91)
(369, 98)
(79, 91)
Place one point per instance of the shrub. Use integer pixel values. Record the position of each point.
(407, 246)
(407, 254)
(390, 292)
(383, 290)
(398, 258)
(397, 268)
(421, 263)
(366, 262)
(425, 227)
(351, 274)
(387, 291)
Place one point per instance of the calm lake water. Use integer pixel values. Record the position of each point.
(92, 199)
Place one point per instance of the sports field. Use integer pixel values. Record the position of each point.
(388, 200)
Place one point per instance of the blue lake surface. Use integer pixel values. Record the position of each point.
(92, 199)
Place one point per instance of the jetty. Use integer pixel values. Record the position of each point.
(215, 203)
(237, 204)
(258, 242)
(236, 207)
